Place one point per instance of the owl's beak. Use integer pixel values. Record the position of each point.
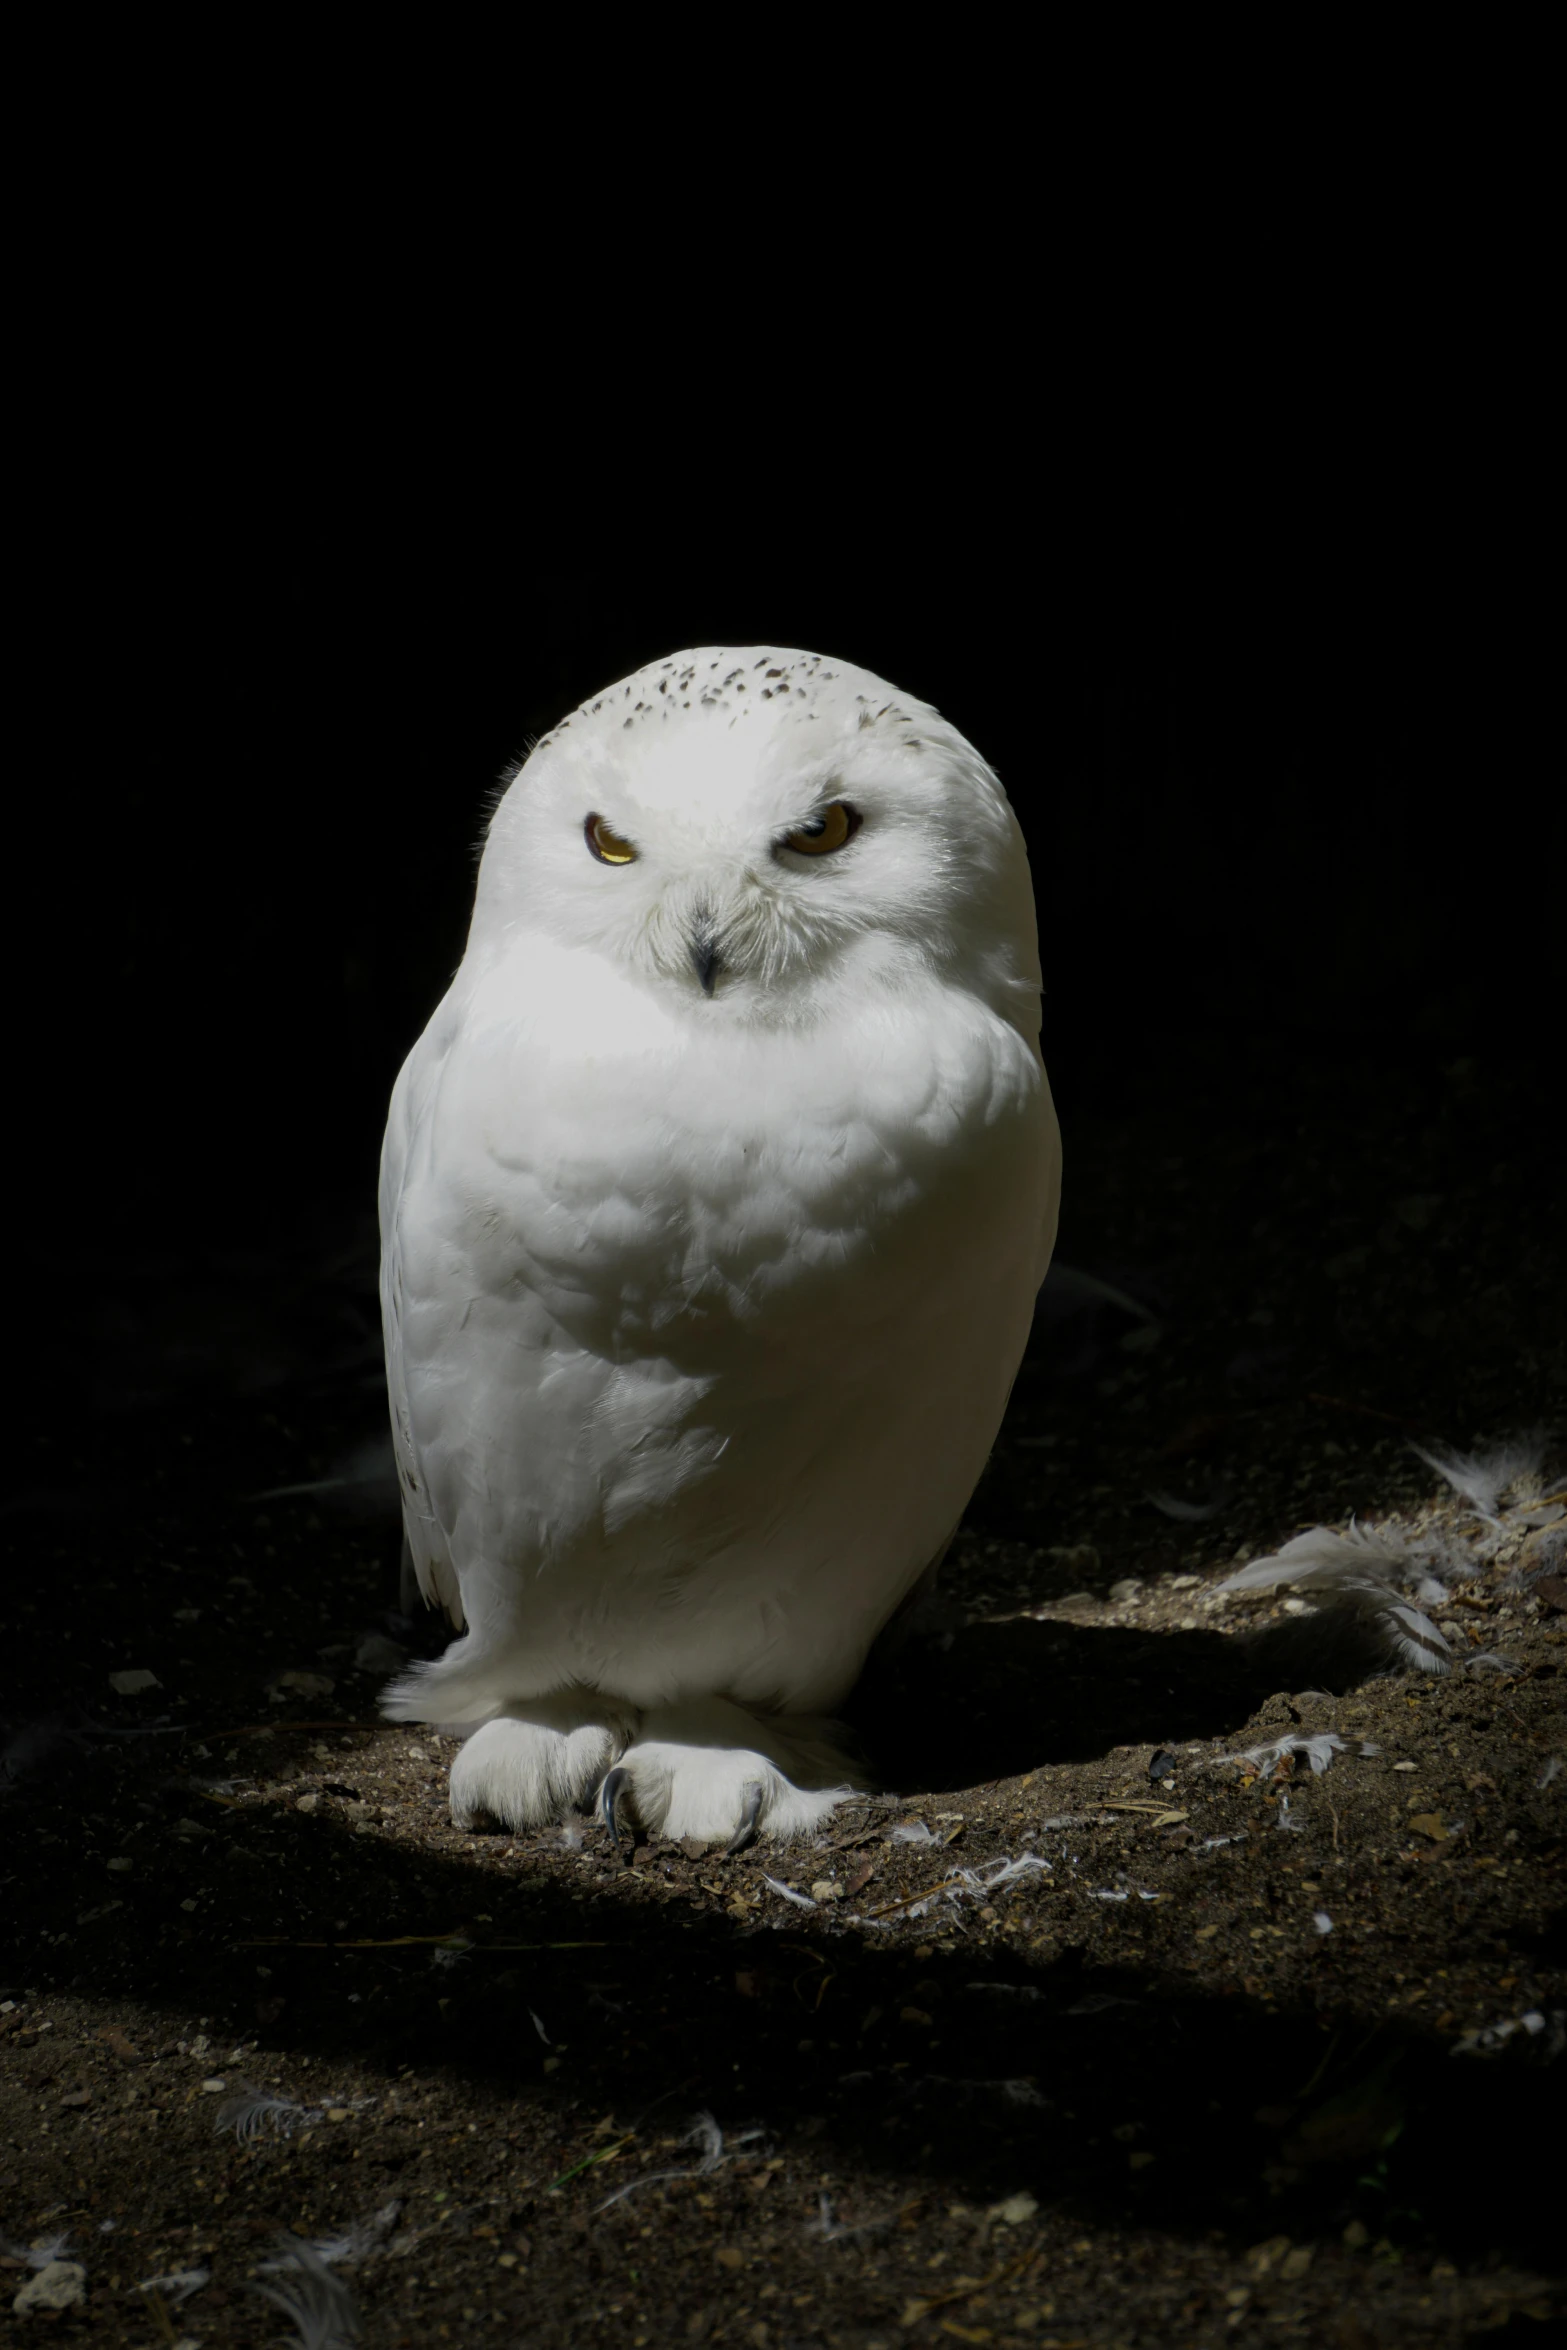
(705, 958)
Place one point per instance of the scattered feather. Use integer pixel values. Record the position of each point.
(1483, 1477)
(1321, 1920)
(912, 1832)
(1442, 1559)
(538, 2025)
(320, 2306)
(1492, 1660)
(1552, 1770)
(787, 1893)
(704, 2133)
(364, 1481)
(831, 2230)
(37, 2255)
(1189, 1513)
(178, 2285)
(1067, 1289)
(346, 2250)
(1359, 1571)
(1319, 1750)
(1288, 1819)
(249, 2110)
(997, 1873)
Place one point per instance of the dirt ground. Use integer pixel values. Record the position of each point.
(1232, 2052)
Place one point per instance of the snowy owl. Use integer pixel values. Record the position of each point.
(714, 1201)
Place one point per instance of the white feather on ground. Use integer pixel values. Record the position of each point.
(1361, 1573)
(353, 2245)
(1319, 1750)
(1189, 1513)
(177, 2286)
(42, 2255)
(1483, 1477)
(832, 2230)
(249, 2110)
(320, 2306)
(704, 2133)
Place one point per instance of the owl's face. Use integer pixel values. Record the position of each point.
(733, 828)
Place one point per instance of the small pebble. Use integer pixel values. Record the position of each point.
(1014, 2211)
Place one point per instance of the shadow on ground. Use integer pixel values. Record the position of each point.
(996, 1699)
(1117, 2092)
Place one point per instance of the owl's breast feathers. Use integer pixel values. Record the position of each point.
(656, 1303)
(722, 1176)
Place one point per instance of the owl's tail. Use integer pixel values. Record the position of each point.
(458, 1690)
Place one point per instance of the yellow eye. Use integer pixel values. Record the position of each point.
(606, 845)
(825, 832)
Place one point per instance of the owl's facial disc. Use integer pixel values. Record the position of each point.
(760, 837)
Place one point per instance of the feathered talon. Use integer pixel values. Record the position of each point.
(609, 1796)
(751, 1812)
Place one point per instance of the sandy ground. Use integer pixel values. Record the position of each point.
(1112, 2022)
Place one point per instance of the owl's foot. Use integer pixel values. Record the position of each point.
(537, 1759)
(711, 1770)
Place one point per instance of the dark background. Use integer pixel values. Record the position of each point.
(1275, 763)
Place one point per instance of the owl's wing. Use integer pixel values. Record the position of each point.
(406, 1128)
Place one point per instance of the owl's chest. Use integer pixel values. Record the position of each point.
(632, 1195)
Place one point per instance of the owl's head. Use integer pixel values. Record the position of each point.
(736, 828)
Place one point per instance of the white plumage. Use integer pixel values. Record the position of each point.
(714, 1202)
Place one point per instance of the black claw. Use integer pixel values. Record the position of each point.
(746, 1832)
(609, 1796)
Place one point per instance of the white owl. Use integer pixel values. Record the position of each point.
(714, 1201)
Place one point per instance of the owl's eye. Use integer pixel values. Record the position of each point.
(606, 844)
(825, 832)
